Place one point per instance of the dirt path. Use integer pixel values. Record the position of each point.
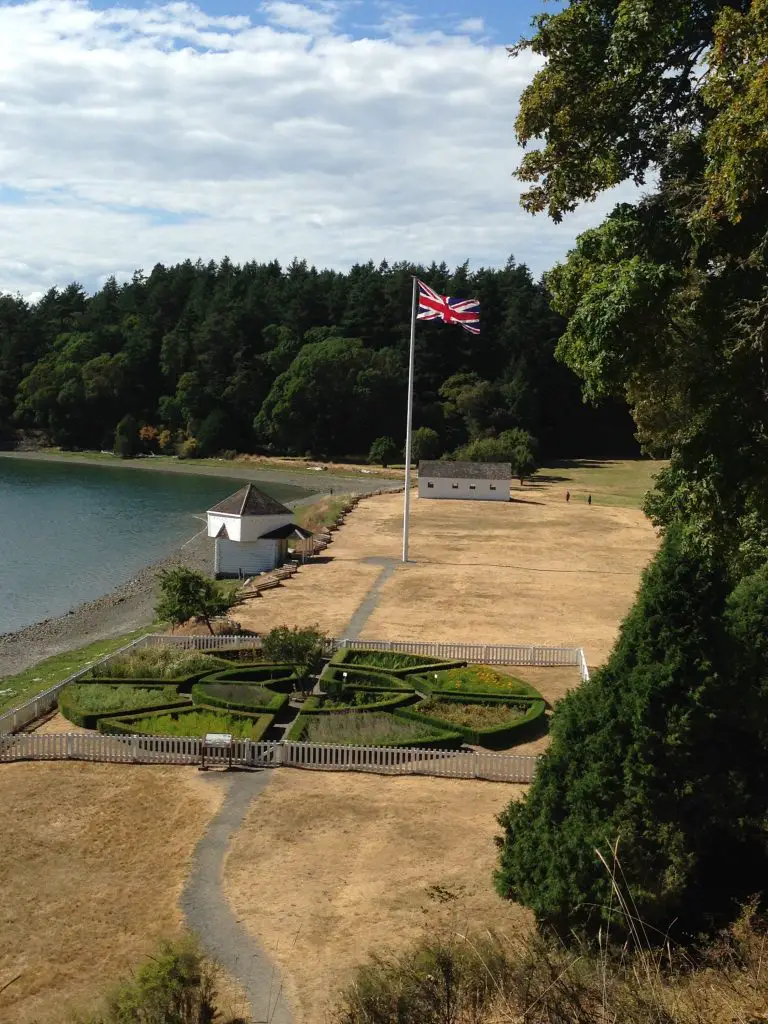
(209, 914)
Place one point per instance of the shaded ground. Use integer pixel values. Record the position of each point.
(92, 862)
(330, 866)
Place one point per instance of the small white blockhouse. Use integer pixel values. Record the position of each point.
(251, 532)
(473, 481)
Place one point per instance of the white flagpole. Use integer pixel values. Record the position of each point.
(409, 419)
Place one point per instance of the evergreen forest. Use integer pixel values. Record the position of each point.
(200, 359)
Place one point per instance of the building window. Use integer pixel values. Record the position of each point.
(493, 487)
(455, 487)
(472, 487)
(430, 485)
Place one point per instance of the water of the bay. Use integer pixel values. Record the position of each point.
(70, 532)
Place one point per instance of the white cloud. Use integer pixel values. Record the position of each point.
(136, 136)
(472, 26)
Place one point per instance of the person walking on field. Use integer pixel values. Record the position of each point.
(567, 496)
(589, 499)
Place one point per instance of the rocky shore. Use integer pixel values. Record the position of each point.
(127, 607)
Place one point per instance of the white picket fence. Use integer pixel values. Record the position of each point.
(476, 654)
(451, 764)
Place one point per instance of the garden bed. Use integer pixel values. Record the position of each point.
(478, 679)
(83, 703)
(376, 728)
(193, 722)
(157, 663)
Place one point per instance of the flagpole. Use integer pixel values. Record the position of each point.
(409, 419)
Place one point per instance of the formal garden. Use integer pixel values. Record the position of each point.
(360, 697)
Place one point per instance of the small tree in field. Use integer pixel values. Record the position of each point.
(426, 444)
(186, 594)
(301, 646)
(383, 450)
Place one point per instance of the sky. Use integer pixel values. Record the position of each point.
(336, 131)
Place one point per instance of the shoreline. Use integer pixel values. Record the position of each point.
(355, 482)
(124, 608)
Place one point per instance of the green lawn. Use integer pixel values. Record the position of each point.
(16, 689)
(621, 482)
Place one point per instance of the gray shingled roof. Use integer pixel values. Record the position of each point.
(467, 470)
(289, 530)
(250, 501)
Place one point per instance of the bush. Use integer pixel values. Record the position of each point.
(127, 442)
(515, 729)
(391, 661)
(174, 986)
(84, 703)
(186, 594)
(195, 722)
(238, 695)
(301, 647)
(157, 664)
(383, 451)
(425, 444)
(656, 753)
(333, 682)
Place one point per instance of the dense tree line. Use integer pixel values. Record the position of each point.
(662, 755)
(204, 358)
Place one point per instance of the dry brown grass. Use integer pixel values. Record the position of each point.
(92, 862)
(328, 867)
(536, 570)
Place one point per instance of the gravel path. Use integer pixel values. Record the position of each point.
(370, 602)
(209, 914)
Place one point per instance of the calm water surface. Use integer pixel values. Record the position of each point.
(70, 533)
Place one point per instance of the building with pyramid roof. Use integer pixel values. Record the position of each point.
(251, 533)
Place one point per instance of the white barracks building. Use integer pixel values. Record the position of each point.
(472, 481)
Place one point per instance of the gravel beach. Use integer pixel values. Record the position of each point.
(131, 605)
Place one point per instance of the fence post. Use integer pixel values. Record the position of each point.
(134, 749)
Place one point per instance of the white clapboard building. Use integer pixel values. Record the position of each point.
(473, 481)
(252, 532)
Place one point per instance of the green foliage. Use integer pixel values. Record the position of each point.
(375, 729)
(301, 646)
(157, 663)
(127, 442)
(176, 985)
(515, 446)
(383, 452)
(380, 659)
(474, 716)
(238, 696)
(315, 358)
(662, 752)
(479, 679)
(83, 703)
(187, 594)
(426, 444)
(196, 722)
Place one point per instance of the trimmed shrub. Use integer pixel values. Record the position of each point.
(238, 696)
(389, 699)
(157, 664)
(433, 737)
(391, 661)
(333, 681)
(478, 679)
(277, 677)
(493, 737)
(84, 703)
(193, 722)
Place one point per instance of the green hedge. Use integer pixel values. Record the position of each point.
(355, 658)
(87, 718)
(396, 700)
(201, 695)
(333, 682)
(125, 725)
(496, 737)
(445, 740)
(276, 676)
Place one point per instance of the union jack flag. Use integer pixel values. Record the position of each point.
(465, 312)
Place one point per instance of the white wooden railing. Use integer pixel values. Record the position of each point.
(476, 654)
(453, 764)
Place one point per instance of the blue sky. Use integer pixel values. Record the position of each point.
(336, 131)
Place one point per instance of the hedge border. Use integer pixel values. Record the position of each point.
(199, 699)
(396, 700)
(380, 680)
(531, 691)
(445, 740)
(495, 737)
(190, 677)
(89, 719)
(124, 725)
(340, 658)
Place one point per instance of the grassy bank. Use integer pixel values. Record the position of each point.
(19, 688)
(321, 513)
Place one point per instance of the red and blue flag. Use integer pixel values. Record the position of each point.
(464, 312)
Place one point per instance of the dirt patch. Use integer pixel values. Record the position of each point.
(330, 866)
(92, 861)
